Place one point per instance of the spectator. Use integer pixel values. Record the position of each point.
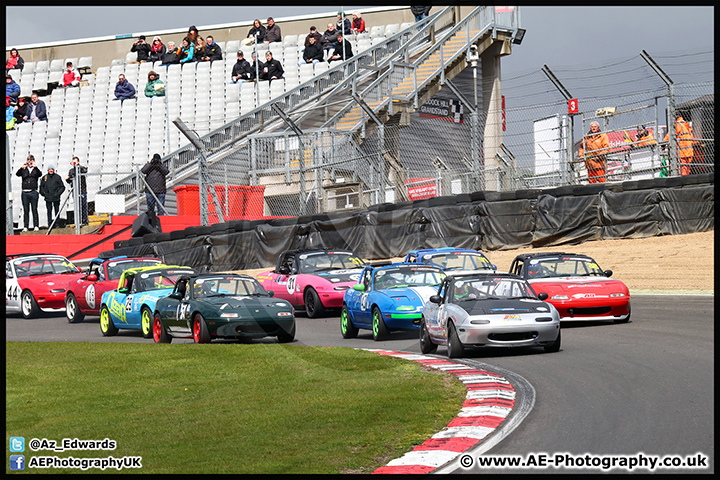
(596, 144)
(21, 109)
(124, 89)
(358, 24)
(242, 70)
(171, 54)
(420, 10)
(213, 49)
(12, 89)
(154, 87)
(36, 110)
(157, 50)
(30, 175)
(643, 137)
(70, 179)
(257, 28)
(272, 68)
(155, 172)
(71, 78)
(343, 50)
(272, 34)
(313, 52)
(51, 187)
(313, 33)
(256, 67)
(329, 38)
(343, 25)
(201, 54)
(187, 51)
(684, 137)
(192, 34)
(9, 114)
(15, 61)
(142, 49)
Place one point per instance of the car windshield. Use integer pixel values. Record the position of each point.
(459, 261)
(563, 266)
(35, 266)
(116, 268)
(231, 286)
(490, 288)
(158, 280)
(407, 276)
(320, 261)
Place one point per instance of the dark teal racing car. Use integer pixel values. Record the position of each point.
(209, 306)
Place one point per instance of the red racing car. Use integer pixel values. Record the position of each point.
(575, 285)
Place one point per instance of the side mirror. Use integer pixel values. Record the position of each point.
(494, 267)
(359, 287)
(284, 270)
(271, 293)
(543, 296)
(176, 295)
(436, 299)
(608, 273)
(92, 278)
(124, 290)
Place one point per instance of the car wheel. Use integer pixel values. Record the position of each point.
(555, 346)
(379, 329)
(28, 305)
(107, 327)
(455, 349)
(313, 306)
(426, 345)
(625, 320)
(159, 333)
(287, 337)
(200, 330)
(72, 309)
(347, 328)
(146, 322)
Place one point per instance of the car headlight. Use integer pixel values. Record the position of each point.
(617, 294)
(229, 315)
(559, 297)
(284, 314)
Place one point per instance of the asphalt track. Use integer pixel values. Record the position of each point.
(641, 389)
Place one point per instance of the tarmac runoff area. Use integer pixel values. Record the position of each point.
(490, 400)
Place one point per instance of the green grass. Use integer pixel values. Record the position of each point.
(226, 408)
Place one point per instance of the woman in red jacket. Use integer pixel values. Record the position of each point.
(358, 24)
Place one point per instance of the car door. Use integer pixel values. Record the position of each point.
(12, 288)
(431, 314)
(172, 310)
(363, 307)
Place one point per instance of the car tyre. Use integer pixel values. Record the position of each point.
(347, 328)
(455, 348)
(625, 320)
(28, 306)
(426, 345)
(72, 309)
(555, 346)
(379, 329)
(313, 306)
(287, 337)
(146, 322)
(107, 327)
(159, 333)
(200, 330)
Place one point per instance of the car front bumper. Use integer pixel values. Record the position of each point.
(249, 328)
(605, 309)
(524, 335)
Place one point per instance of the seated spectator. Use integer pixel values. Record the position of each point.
(71, 78)
(171, 54)
(36, 110)
(272, 68)
(15, 61)
(187, 51)
(343, 50)
(201, 54)
(257, 28)
(142, 49)
(313, 33)
(329, 38)
(9, 114)
(272, 34)
(154, 87)
(257, 66)
(313, 52)
(358, 24)
(343, 25)
(12, 89)
(157, 50)
(21, 109)
(213, 49)
(124, 89)
(242, 70)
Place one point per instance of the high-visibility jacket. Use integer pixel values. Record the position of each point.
(685, 138)
(596, 145)
(646, 140)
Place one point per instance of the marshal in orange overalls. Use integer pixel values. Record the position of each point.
(596, 145)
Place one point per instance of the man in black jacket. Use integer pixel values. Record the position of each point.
(29, 174)
(343, 50)
(155, 172)
(213, 49)
(272, 68)
(51, 187)
(70, 179)
(171, 54)
(142, 49)
(313, 52)
(242, 70)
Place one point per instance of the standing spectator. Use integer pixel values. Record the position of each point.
(329, 38)
(70, 179)
(420, 9)
(154, 87)
(643, 137)
(272, 68)
(343, 50)
(157, 50)
(358, 24)
(313, 34)
(272, 34)
(684, 137)
(313, 52)
(187, 51)
(200, 51)
(142, 49)
(12, 89)
(171, 54)
(192, 34)
(36, 110)
(52, 187)
(242, 70)
(257, 28)
(124, 89)
(155, 172)
(596, 144)
(30, 175)
(213, 49)
(21, 109)
(71, 78)
(343, 25)
(15, 61)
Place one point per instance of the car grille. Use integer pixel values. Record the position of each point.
(512, 336)
(589, 311)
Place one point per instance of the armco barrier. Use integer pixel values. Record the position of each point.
(481, 220)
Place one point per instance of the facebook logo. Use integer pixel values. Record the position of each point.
(17, 462)
(17, 444)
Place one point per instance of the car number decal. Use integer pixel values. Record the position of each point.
(90, 296)
(291, 284)
(128, 303)
(364, 301)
